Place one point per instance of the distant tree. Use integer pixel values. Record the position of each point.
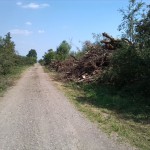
(33, 55)
(130, 19)
(9, 58)
(7, 53)
(49, 56)
(8, 45)
(41, 61)
(63, 50)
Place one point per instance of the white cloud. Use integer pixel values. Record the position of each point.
(33, 5)
(19, 3)
(41, 31)
(28, 23)
(20, 32)
(44, 5)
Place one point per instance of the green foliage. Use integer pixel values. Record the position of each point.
(60, 54)
(41, 61)
(63, 50)
(130, 19)
(48, 57)
(8, 57)
(7, 52)
(5, 64)
(8, 45)
(33, 55)
(143, 31)
(85, 47)
(114, 110)
(11, 64)
(125, 65)
(79, 54)
(130, 64)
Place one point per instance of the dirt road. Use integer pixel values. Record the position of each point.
(34, 115)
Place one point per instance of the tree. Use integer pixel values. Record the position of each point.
(9, 59)
(49, 56)
(143, 31)
(41, 61)
(33, 55)
(130, 19)
(63, 50)
(130, 63)
(8, 45)
(7, 53)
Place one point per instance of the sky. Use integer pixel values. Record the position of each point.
(44, 24)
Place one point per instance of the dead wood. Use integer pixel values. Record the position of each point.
(92, 64)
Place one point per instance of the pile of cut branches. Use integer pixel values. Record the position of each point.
(91, 66)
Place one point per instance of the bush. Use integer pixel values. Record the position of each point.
(8, 57)
(48, 57)
(41, 61)
(130, 69)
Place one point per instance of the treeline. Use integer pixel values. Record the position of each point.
(61, 54)
(129, 66)
(9, 59)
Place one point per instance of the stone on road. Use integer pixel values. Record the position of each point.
(35, 115)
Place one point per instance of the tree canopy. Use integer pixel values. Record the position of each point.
(63, 50)
(9, 59)
(49, 56)
(130, 19)
(32, 54)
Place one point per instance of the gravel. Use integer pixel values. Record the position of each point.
(35, 115)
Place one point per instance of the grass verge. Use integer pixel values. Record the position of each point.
(9, 79)
(116, 113)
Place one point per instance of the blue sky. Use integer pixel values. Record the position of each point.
(44, 24)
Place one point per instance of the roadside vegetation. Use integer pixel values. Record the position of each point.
(11, 63)
(109, 80)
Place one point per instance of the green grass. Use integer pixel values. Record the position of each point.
(116, 112)
(9, 79)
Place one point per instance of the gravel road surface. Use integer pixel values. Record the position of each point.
(35, 115)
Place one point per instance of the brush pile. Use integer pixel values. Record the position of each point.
(91, 66)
